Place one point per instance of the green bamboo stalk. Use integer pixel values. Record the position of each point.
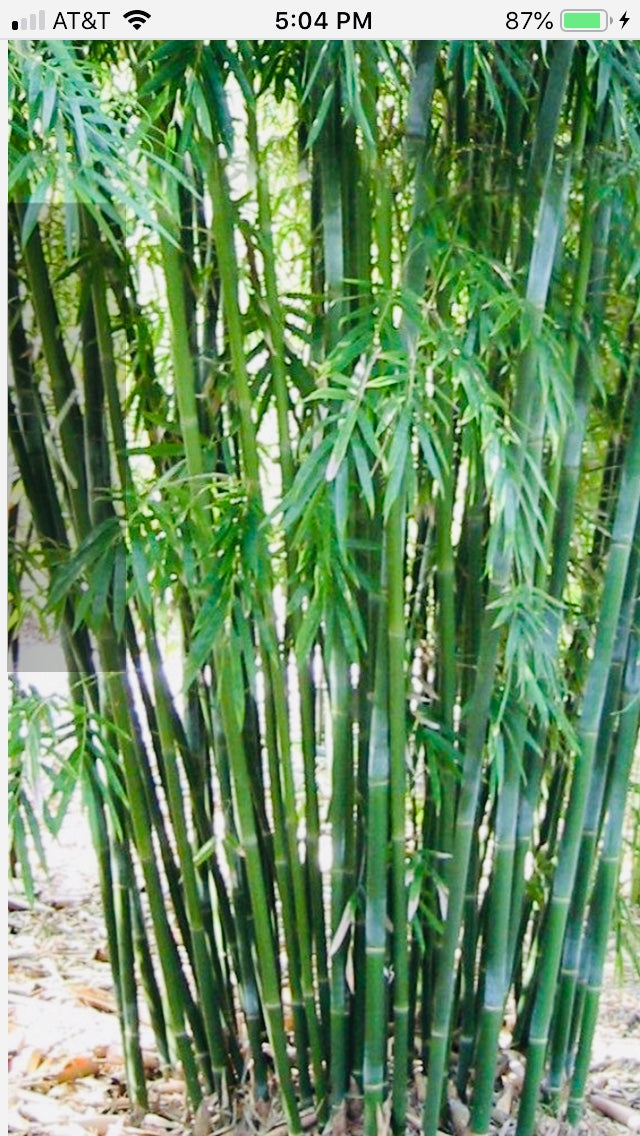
(250, 993)
(204, 971)
(100, 508)
(285, 456)
(395, 541)
(297, 925)
(301, 908)
(468, 967)
(530, 414)
(28, 422)
(184, 372)
(119, 696)
(150, 982)
(527, 804)
(117, 912)
(110, 855)
(604, 890)
(181, 350)
(543, 144)
(593, 703)
(283, 873)
(418, 135)
(267, 967)
(341, 875)
(243, 915)
(594, 252)
(330, 157)
(565, 1012)
(124, 887)
(418, 126)
(527, 412)
(223, 231)
(104, 343)
(496, 969)
(376, 878)
(62, 382)
(197, 792)
(155, 810)
(200, 921)
(445, 575)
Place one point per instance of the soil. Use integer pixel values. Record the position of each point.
(66, 1075)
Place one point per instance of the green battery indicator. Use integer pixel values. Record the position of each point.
(587, 20)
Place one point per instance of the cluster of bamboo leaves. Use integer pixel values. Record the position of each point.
(325, 382)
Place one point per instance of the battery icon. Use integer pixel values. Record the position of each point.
(587, 20)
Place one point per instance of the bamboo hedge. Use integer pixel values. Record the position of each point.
(324, 385)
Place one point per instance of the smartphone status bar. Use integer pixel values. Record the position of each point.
(336, 19)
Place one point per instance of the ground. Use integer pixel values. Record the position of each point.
(65, 1063)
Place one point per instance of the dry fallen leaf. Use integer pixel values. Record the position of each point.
(75, 1068)
(153, 1123)
(26, 1061)
(95, 997)
(101, 1124)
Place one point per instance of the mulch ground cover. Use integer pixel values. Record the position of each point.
(66, 1073)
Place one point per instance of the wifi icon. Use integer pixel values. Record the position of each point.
(137, 17)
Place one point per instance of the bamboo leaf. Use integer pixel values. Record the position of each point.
(207, 628)
(119, 589)
(309, 626)
(92, 548)
(321, 116)
(347, 919)
(398, 459)
(141, 571)
(364, 475)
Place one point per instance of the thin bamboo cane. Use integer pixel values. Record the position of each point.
(184, 374)
(395, 541)
(543, 145)
(62, 381)
(527, 412)
(110, 857)
(203, 970)
(624, 526)
(376, 889)
(604, 890)
(243, 914)
(418, 123)
(150, 982)
(341, 877)
(552, 205)
(267, 968)
(468, 969)
(287, 466)
(124, 886)
(565, 1011)
(120, 702)
(272, 667)
(497, 974)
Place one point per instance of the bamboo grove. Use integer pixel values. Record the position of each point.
(324, 382)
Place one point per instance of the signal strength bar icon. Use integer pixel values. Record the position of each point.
(137, 17)
(34, 22)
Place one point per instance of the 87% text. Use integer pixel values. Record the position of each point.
(520, 21)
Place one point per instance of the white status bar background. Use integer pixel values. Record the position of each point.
(346, 19)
